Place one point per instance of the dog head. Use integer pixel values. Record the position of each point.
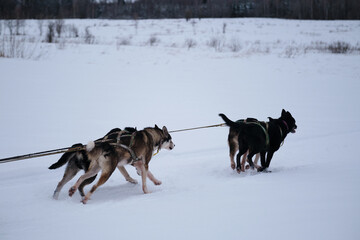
(167, 142)
(289, 120)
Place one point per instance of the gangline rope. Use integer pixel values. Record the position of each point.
(74, 149)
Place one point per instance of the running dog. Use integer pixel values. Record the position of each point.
(261, 137)
(78, 160)
(234, 146)
(106, 157)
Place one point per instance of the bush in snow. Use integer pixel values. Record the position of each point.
(291, 51)
(136, 23)
(59, 26)
(73, 31)
(16, 47)
(217, 43)
(89, 38)
(12, 46)
(123, 42)
(40, 26)
(193, 23)
(10, 25)
(153, 40)
(190, 43)
(51, 32)
(224, 28)
(235, 45)
(339, 47)
(335, 47)
(20, 24)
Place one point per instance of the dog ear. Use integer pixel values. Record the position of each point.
(283, 113)
(156, 126)
(165, 131)
(270, 119)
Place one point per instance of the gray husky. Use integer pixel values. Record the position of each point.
(106, 157)
(78, 160)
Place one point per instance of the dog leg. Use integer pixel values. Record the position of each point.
(243, 161)
(257, 156)
(141, 168)
(153, 179)
(232, 162)
(268, 159)
(263, 158)
(238, 163)
(263, 161)
(126, 175)
(138, 171)
(143, 179)
(105, 175)
(93, 170)
(234, 147)
(249, 158)
(70, 172)
(241, 152)
(84, 183)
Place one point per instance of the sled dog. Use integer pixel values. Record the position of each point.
(262, 137)
(107, 157)
(78, 160)
(234, 146)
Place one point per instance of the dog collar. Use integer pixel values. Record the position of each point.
(286, 125)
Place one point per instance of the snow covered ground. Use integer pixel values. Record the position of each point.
(149, 72)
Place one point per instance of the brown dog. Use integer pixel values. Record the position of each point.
(107, 157)
(79, 160)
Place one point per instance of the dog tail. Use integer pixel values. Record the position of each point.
(228, 121)
(64, 159)
(236, 125)
(90, 146)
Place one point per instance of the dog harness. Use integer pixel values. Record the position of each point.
(281, 132)
(286, 125)
(267, 139)
(121, 134)
(134, 158)
(128, 148)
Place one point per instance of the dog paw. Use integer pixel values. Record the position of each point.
(238, 170)
(260, 169)
(72, 190)
(56, 196)
(233, 166)
(146, 191)
(131, 180)
(84, 200)
(157, 182)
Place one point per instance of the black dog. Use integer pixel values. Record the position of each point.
(78, 160)
(233, 141)
(262, 137)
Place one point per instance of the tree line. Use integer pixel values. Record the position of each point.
(145, 9)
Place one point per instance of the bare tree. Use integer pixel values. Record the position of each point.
(299, 9)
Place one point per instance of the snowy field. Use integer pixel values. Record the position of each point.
(182, 74)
